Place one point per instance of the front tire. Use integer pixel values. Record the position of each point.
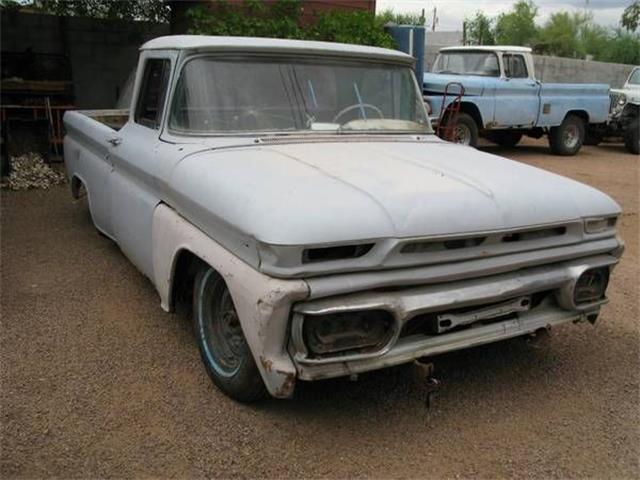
(223, 347)
(632, 137)
(567, 139)
(463, 130)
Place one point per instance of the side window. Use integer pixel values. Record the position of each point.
(153, 91)
(515, 66)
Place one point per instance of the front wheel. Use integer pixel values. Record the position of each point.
(632, 137)
(223, 348)
(463, 130)
(567, 139)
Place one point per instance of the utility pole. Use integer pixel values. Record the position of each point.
(434, 21)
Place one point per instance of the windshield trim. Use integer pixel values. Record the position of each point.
(634, 72)
(309, 59)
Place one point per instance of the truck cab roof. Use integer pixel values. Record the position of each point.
(487, 48)
(272, 45)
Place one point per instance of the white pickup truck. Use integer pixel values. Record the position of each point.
(295, 194)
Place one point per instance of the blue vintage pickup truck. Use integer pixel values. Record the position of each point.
(503, 100)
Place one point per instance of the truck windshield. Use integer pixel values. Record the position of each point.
(259, 95)
(634, 78)
(468, 63)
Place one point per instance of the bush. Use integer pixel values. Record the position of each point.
(362, 28)
(282, 20)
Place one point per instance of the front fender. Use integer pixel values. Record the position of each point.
(262, 302)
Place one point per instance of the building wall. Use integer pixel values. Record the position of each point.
(102, 52)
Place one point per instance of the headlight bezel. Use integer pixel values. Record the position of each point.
(600, 224)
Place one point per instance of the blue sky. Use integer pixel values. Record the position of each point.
(451, 13)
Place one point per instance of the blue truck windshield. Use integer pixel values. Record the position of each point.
(467, 63)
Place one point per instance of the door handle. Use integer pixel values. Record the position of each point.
(115, 141)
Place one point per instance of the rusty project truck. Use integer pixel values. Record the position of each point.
(294, 193)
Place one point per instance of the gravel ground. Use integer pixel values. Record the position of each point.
(98, 382)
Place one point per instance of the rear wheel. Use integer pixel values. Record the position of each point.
(505, 138)
(463, 130)
(632, 137)
(223, 348)
(567, 139)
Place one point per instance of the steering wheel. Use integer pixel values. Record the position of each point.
(357, 105)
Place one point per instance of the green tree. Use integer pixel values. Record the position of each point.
(596, 40)
(518, 26)
(358, 27)
(389, 16)
(479, 31)
(253, 19)
(146, 10)
(624, 47)
(281, 20)
(562, 35)
(631, 17)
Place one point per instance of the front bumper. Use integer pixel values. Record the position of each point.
(556, 281)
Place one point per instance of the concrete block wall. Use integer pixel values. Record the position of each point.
(570, 70)
(102, 52)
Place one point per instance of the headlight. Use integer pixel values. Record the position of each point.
(599, 224)
(618, 101)
(591, 286)
(347, 332)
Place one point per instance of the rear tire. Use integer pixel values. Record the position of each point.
(223, 348)
(505, 138)
(464, 130)
(567, 139)
(632, 137)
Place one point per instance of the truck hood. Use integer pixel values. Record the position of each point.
(435, 83)
(345, 190)
(632, 94)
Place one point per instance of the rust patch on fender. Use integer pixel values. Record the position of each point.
(286, 389)
(266, 364)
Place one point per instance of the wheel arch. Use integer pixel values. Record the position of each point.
(76, 183)
(183, 271)
(473, 111)
(263, 303)
(631, 111)
(583, 114)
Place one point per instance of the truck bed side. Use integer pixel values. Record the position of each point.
(556, 99)
(86, 148)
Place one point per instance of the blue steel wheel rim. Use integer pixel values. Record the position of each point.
(219, 327)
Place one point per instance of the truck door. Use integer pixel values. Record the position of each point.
(133, 189)
(517, 94)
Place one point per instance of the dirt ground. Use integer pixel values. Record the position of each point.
(96, 381)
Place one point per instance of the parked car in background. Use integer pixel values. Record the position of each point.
(625, 112)
(295, 195)
(503, 100)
